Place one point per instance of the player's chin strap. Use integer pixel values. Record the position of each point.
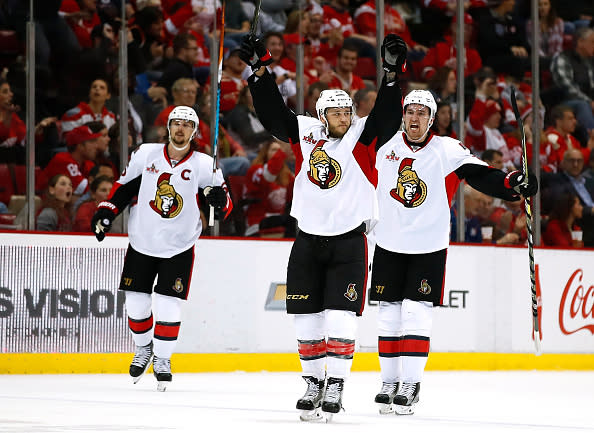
(179, 149)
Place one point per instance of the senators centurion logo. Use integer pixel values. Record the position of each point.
(324, 171)
(351, 293)
(425, 288)
(178, 286)
(167, 203)
(410, 190)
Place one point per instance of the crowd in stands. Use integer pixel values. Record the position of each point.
(168, 44)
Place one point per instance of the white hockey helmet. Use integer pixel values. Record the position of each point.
(332, 98)
(183, 112)
(421, 97)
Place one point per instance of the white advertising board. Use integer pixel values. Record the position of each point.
(236, 298)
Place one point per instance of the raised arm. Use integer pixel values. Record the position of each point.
(386, 116)
(270, 107)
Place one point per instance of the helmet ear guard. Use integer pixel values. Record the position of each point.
(183, 112)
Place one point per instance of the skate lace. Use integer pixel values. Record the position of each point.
(407, 389)
(313, 389)
(333, 392)
(142, 355)
(388, 388)
(162, 365)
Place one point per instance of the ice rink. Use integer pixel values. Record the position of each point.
(518, 401)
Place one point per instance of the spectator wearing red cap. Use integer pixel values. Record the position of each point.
(231, 81)
(94, 110)
(326, 46)
(77, 161)
(444, 53)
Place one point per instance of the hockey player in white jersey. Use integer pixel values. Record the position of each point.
(418, 173)
(335, 205)
(163, 227)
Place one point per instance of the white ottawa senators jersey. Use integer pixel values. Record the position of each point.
(334, 180)
(166, 219)
(413, 202)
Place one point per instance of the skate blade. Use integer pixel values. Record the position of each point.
(404, 410)
(312, 415)
(386, 408)
(162, 386)
(137, 378)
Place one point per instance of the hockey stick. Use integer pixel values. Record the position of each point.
(255, 18)
(215, 144)
(528, 208)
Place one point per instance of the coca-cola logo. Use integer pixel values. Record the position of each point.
(577, 305)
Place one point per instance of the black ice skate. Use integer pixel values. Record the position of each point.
(332, 397)
(140, 362)
(406, 398)
(385, 397)
(311, 402)
(162, 371)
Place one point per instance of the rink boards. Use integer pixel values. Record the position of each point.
(60, 310)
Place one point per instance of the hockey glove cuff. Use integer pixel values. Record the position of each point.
(216, 196)
(104, 216)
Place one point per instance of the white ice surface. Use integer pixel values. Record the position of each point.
(457, 402)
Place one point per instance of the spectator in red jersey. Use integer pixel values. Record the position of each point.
(337, 16)
(100, 188)
(566, 210)
(13, 130)
(99, 170)
(82, 17)
(561, 137)
(343, 76)
(365, 24)
(93, 110)
(327, 45)
(55, 212)
(444, 52)
(268, 190)
(78, 161)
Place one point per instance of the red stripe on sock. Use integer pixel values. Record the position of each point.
(393, 345)
(413, 345)
(341, 347)
(140, 326)
(170, 330)
(312, 349)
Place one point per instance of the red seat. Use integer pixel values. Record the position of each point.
(20, 174)
(6, 185)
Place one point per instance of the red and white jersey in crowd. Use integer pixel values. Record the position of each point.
(393, 22)
(414, 206)
(335, 180)
(166, 218)
(64, 163)
(13, 132)
(82, 114)
(334, 19)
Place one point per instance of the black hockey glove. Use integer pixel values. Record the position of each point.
(515, 181)
(394, 54)
(216, 196)
(101, 222)
(253, 52)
